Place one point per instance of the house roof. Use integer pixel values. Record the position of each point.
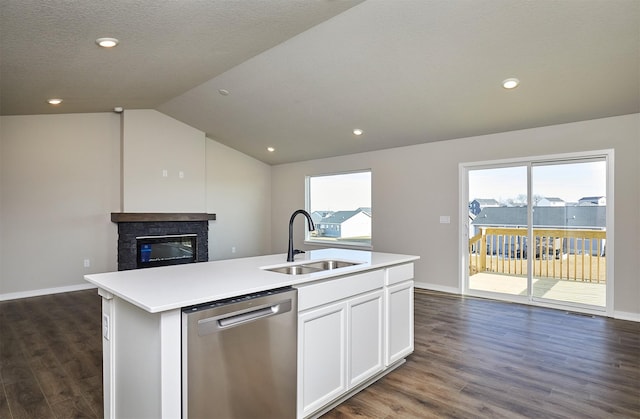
(487, 201)
(366, 210)
(340, 217)
(299, 76)
(569, 217)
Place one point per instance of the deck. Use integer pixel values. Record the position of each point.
(568, 265)
(554, 289)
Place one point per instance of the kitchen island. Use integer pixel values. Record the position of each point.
(141, 322)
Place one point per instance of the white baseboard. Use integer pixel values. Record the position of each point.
(44, 291)
(622, 315)
(435, 287)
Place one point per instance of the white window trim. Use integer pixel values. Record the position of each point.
(307, 205)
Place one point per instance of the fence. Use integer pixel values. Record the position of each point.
(569, 254)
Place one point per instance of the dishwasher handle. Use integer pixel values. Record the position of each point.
(229, 320)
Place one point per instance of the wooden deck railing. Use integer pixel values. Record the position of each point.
(577, 255)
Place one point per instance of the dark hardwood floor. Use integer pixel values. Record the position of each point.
(51, 356)
(478, 358)
(474, 358)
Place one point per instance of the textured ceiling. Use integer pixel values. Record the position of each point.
(302, 74)
(47, 47)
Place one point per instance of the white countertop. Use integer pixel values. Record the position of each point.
(172, 287)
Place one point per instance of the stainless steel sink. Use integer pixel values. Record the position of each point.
(324, 265)
(293, 270)
(312, 267)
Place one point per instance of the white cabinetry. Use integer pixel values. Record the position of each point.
(340, 336)
(364, 316)
(398, 312)
(321, 358)
(350, 330)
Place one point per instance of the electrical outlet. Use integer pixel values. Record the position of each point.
(87, 263)
(105, 326)
(233, 249)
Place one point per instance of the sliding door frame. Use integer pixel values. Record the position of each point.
(463, 188)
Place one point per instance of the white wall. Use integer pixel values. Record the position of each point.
(154, 144)
(60, 180)
(239, 193)
(413, 186)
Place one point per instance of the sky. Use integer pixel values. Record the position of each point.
(569, 182)
(347, 191)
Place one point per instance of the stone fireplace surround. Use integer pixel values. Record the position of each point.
(136, 224)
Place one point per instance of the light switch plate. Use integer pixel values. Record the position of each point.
(445, 219)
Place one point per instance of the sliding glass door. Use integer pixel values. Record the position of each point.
(498, 230)
(569, 226)
(537, 230)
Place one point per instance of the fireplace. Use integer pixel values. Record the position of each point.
(166, 250)
(159, 239)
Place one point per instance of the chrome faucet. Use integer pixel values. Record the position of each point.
(291, 253)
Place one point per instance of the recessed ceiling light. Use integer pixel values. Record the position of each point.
(357, 131)
(511, 83)
(271, 149)
(54, 101)
(107, 42)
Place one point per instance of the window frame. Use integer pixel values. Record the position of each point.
(359, 245)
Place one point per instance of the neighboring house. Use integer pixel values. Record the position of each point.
(344, 224)
(593, 200)
(366, 210)
(580, 217)
(550, 202)
(472, 217)
(593, 218)
(317, 216)
(477, 205)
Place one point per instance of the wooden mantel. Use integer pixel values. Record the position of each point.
(141, 217)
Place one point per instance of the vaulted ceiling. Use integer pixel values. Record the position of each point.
(299, 76)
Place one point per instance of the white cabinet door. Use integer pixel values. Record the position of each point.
(321, 356)
(399, 321)
(349, 330)
(365, 336)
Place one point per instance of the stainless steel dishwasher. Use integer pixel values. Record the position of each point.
(239, 357)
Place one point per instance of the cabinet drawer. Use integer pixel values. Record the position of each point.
(396, 274)
(325, 292)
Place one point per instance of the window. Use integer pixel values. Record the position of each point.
(340, 205)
